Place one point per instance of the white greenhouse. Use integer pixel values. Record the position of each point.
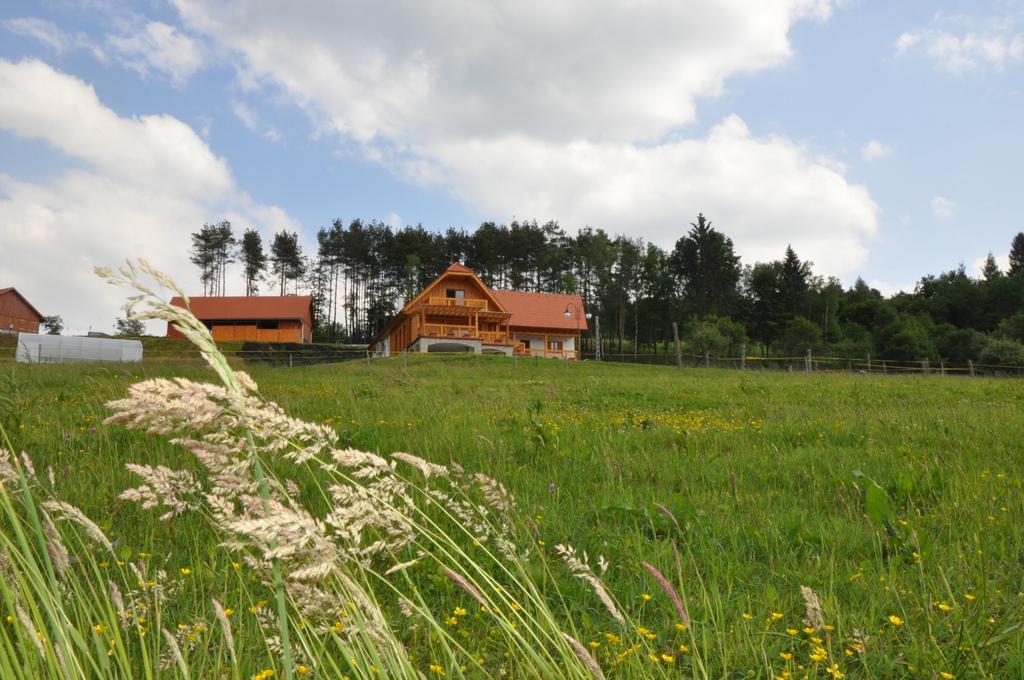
(34, 348)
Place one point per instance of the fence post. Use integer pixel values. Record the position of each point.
(707, 359)
(924, 366)
(289, 360)
(970, 367)
(743, 357)
(883, 367)
(942, 369)
(368, 358)
(675, 338)
(597, 332)
(869, 363)
(807, 361)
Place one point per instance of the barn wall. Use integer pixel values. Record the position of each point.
(16, 316)
(287, 331)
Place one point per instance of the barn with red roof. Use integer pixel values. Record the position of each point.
(258, 318)
(17, 315)
(457, 312)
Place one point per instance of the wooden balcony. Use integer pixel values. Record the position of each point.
(495, 337)
(447, 330)
(456, 302)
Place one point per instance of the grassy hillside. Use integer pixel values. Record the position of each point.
(897, 500)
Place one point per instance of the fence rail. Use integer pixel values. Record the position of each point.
(305, 355)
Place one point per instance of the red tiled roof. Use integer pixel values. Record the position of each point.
(542, 310)
(250, 307)
(28, 304)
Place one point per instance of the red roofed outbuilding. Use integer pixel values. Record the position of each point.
(17, 315)
(257, 318)
(457, 312)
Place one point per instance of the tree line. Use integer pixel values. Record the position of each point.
(362, 272)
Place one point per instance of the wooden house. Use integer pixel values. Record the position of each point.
(17, 315)
(257, 318)
(457, 312)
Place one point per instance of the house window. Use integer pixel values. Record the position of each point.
(267, 325)
(555, 345)
(457, 294)
(526, 344)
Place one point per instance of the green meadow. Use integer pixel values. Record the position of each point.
(897, 500)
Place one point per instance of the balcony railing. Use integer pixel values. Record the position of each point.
(456, 302)
(494, 337)
(569, 354)
(446, 330)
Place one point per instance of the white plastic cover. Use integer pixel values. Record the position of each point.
(54, 349)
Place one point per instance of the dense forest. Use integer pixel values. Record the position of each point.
(361, 273)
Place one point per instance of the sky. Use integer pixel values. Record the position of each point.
(879, 139)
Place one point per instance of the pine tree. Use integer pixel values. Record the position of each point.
(204, 256)
(990, 270)
(286, 259)
(707, 268)
(254, 260)
(212, 250)
(1017, 255)
(794, 277)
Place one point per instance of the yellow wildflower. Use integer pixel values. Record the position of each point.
(667, 658)
(185, 571)
(646, 597)
(786, 656)
(895, 620)
(776, 616)
(944, 607)
(746, 616)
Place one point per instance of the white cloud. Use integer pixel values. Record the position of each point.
(140, 186)
(42, 30)
(942, 208)
(960, 54)
(875, 150)
(570, 110)
(394, 220)
(763, 193)
(157, 46)
(52, 36)
(252, 121)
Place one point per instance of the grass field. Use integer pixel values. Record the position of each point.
(768, 479)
